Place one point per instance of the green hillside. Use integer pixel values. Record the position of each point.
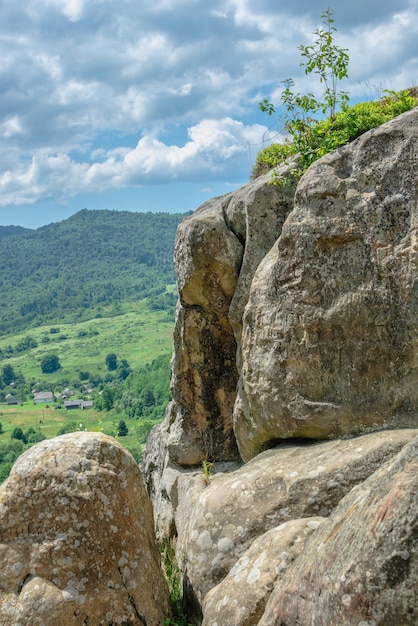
(84, 267)
(96, 295)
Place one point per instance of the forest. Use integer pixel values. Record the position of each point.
(87, 306)
(72, 270)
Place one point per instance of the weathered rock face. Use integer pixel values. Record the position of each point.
(361, 565)
(279, 485)
(330, 330)
(240, 599)
(217, 252)
(297, 318)
(207, 259)
(77, 541)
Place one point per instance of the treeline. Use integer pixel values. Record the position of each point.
(71, 270)
(145, 393)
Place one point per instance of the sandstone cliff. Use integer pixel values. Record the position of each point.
(297, 321)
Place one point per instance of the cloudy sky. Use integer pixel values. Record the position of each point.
(152, 105)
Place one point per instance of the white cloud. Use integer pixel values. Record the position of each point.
(92, 89)
(213, 146)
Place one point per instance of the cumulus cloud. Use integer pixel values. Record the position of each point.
(214, 146)
(92, 89)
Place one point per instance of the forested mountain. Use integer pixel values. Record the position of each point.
(7, 231)
(71, 270)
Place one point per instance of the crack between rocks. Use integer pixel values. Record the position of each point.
(131, 599)
(229, 224)
(23, 583)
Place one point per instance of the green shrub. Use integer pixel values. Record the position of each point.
(326, 135)
(68, 427)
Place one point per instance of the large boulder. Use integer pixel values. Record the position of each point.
(77, 543)
(329, 332)
(361, 565)
(217, 252)
(289, 482)
(240, 599)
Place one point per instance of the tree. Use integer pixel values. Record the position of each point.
(1, 428)
(330, 62)
(108, 398)
(111, 361)
(17, 433)
(50, 363)
(122, 429)
(8, 375)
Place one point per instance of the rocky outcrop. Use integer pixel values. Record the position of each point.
(330, 329)
(77, 541)
(279, 485)
(217, 252)
(241, 597)
(297, 320)
(361, 565)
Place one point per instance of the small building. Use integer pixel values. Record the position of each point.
(78, 404)
(43, 396)
(12, 400)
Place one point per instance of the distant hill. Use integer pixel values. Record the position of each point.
(74, 269)
(7, 231)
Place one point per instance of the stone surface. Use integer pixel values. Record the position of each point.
(207, 259)
(360, 568)
(240, 599)
(217, 252)
(285, 483)
(329, 337)
(77, 543)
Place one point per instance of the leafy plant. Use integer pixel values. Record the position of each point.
(207, 469)
(173, 578)
(327, 135)
(330, 62)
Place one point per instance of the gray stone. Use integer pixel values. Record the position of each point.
(240, 599)
(330, 329)
(285, 483)
(361, 566)
(77, 542)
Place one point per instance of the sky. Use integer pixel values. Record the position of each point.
(152, 105)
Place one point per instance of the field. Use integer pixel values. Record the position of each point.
(135, 334)
(48, 420)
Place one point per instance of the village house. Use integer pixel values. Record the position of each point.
(43, 396)
(78, 404)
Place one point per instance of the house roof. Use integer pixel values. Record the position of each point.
(43, 395)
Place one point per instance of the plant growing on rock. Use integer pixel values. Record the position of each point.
(327, 135)
(325, 58)
(173, 578)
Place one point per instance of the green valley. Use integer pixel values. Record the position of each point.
(87, 312)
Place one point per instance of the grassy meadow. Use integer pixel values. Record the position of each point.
(48, 420)
(136, 334)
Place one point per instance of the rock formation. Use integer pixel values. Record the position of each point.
(295, 381)
(297, 320)
(361, 565)
(77, 541)
(330, 329)
(286, 483)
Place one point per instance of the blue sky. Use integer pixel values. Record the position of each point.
(153, 106)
